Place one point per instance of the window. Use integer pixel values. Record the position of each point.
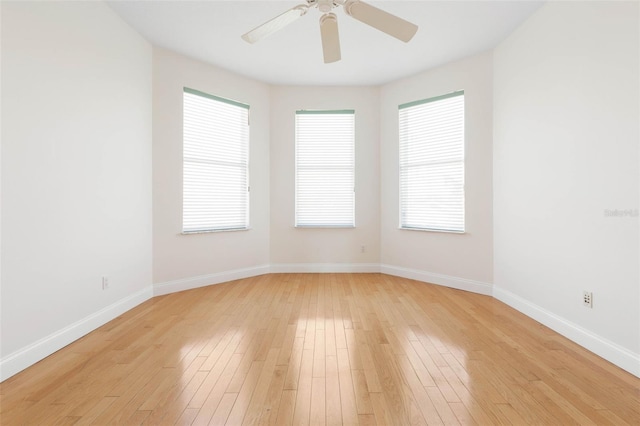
(432, 164)
(215, 163)
(325, 143)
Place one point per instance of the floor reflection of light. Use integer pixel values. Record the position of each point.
(192, 353)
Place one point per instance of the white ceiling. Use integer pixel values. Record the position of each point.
(210, 31)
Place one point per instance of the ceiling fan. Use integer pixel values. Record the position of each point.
(363, 12)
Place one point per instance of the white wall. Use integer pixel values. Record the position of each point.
(565, 150)
(76, 174)
(1, 345)
(197, 258)
(459, 260)
(297, 249)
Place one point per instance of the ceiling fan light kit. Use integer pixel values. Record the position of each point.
(363, 12)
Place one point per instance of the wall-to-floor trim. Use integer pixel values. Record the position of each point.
(600, 346)
(182, 284)
(29, 355)
(438, 279)
(314, 268)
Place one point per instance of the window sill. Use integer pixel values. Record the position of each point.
(213, 231)
(444, 231)
(324, 226)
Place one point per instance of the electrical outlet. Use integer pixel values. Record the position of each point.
(587, 299)
(105, 282)
(362, 250)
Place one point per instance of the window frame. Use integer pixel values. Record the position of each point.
(244, 144)
(352, 223)
(462, 161)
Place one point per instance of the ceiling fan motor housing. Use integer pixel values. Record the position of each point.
(325, 6)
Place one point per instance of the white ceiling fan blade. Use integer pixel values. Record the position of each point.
(330, 37)
(381, 20)
(275, 24)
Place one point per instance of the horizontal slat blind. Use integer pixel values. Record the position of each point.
(215, 163)
(432, 164)
(325, 143)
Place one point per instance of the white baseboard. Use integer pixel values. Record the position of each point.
(36, 351)
(313, 268)
(608, 350)
(168, 287)
(29, 355)
(439, 279)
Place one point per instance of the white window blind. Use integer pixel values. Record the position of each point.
(432, 163)
(215, 163)
(325, 159)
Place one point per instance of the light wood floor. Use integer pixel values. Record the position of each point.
(322, 349)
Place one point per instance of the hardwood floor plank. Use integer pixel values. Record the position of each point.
(211, 379)
(287, 345)
(246, 363)
(259, 395)
(425, 404)
(367, 420)
(187, 417)
(243, 398)
(138, 418)
(332, 392)
(361, 390)
(317, 413)
(319, 352)
(221, 415)
(334, 349)
(462, 414)
(294, 365)
(368, 365)
(348, 403)
(271, 405)
(303, 396)
(175, 409)
(286, 407)
(69, 420)
(352, 346)
(214, 398)
(381, 411)
(231, 339)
